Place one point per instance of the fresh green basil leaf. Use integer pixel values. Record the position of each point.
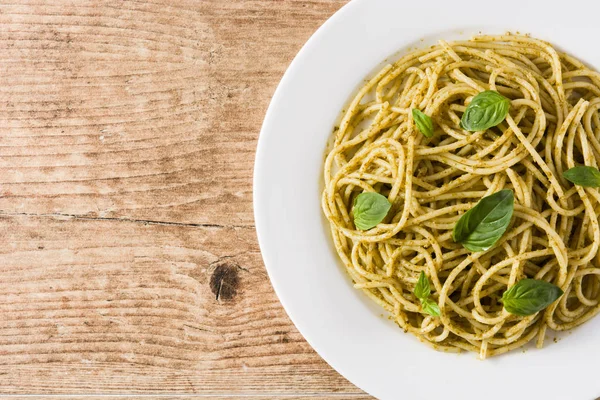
(370, 209)
(583, 176)
(486, 110)
(422, 288)
(430, 307)
(480, 227)
(423, 122)
(528, 296)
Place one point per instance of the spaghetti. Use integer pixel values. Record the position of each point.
(554, 234)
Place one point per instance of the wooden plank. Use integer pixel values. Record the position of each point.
(97, 306)
(139, 109)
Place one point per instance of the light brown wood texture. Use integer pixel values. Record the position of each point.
(129, 260)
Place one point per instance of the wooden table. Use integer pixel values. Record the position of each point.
(130, 263)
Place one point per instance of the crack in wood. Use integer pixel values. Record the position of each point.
(139, 221)
(196, 328)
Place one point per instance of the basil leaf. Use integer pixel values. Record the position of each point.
(423, 291)
(422, 288)
(423, 122)
(486, 110)
(583, 176)
(528, 296)
(480, 227)
(430, 307)
(370, 209)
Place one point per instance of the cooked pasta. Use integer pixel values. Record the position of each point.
(553, 236)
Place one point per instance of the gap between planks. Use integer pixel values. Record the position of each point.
(131, 220)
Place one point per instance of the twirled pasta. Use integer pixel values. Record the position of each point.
(553, 125)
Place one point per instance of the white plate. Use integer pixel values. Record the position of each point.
(343, 326)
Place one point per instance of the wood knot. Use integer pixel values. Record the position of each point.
(225, 281)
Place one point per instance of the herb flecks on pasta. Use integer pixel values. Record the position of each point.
(435, 134)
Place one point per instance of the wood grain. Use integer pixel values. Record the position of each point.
(129, 258)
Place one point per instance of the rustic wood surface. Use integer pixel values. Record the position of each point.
(129, 260)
